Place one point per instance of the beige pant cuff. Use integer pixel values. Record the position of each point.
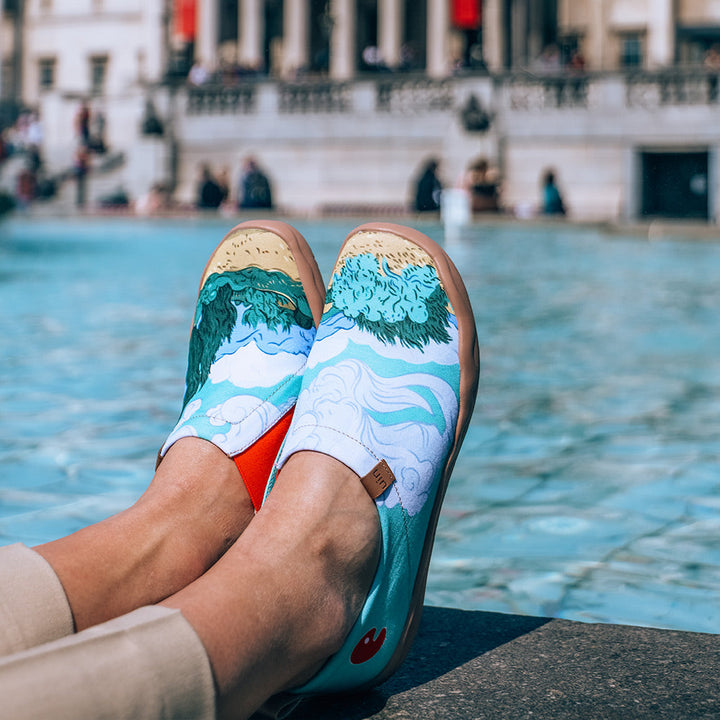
(33, 605)
(146, 665)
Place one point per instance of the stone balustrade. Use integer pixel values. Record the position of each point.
(364, 139)
(673, 87)
(418, 95)
(410, 95)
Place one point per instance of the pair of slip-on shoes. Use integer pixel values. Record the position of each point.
(385, 381)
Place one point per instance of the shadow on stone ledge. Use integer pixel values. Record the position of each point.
(478, 665)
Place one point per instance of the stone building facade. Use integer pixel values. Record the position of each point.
(342, 100)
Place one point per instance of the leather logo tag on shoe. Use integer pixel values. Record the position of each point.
(378, 480)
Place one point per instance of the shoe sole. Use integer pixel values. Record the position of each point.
(469, 360)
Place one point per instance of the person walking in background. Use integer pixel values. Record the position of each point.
(552, 202)
(482, 186)
(81, 167)
(210, 194)
(82, 124)
(428, 188)
(254, 190)
(223, 181)
(97, 133)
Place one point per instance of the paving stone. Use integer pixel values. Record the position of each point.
(469, 665)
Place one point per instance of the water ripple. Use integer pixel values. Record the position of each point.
(587, 486)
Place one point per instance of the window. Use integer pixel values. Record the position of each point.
(46, 74)
(631, 50)
(98, 73)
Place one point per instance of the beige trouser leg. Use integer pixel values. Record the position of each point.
(33, 606)
(146, 665)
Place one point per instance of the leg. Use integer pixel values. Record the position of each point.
(194, 509)
(386, 399)
(284, 597)
(33, 605)
(147, 665)
(265, 617)
(260, 296)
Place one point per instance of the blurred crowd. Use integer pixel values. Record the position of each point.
(480, 190)
(23, 141)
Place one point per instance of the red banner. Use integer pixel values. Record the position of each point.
(466, 14)
(185, 19)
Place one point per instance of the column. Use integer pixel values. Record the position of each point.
(296, 36)
(251, 33)
(596, 36)
(343, 40)
(493, 34)
(519, 34)
(438, 28)
(661, 34)
(535, 40)
(207, 33)
(390, 31)
(2, 49)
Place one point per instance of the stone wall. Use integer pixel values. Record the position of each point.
(333, 146)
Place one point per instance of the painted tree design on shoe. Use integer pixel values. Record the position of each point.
(409, 307)
(269, 297)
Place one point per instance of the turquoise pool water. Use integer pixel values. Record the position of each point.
(587, 487)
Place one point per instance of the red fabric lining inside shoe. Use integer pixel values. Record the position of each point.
(256, 462)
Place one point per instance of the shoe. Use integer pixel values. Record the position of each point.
(388, 390)
(261, 297)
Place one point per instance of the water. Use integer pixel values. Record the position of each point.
(588, 484)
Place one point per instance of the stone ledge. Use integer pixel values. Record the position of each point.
(478, 665)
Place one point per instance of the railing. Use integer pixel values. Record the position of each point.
(414, 95)
(542, 92)
(218, 99)
(417, 95)
(672, 87)
(314, 97)
(642, 89)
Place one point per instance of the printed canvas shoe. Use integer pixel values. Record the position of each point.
(260, 299)
(389, 389)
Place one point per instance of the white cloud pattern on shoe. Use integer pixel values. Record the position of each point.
(388, 414)
(254, 369)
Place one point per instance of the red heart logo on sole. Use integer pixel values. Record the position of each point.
(368, 646)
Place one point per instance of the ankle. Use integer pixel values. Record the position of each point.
(195, 508)
(203, 490)
(338, 533)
